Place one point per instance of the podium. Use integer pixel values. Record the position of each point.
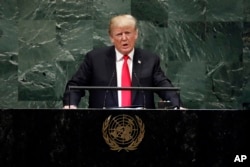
(97, 137)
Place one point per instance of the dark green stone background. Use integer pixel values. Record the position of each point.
(204, 46)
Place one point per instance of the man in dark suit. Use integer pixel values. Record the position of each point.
(104, 66)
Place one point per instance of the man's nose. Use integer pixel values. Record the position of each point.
(124, 36)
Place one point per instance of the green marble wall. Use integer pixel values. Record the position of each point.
(204, 46)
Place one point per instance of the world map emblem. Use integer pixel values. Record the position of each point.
(123, 132)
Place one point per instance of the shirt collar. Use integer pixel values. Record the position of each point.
(119, 56)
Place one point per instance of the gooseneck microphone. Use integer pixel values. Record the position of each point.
(143, 93)
(107, 91)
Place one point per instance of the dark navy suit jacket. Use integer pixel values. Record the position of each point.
(99, 69)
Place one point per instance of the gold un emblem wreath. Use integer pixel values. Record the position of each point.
(123, 132)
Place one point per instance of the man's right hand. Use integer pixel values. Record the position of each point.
(70, 107)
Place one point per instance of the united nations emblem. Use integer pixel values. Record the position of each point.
(123, 132)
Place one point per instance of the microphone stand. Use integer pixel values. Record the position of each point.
(177, 89)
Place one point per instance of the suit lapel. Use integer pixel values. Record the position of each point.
(136, 72)
(111, 71)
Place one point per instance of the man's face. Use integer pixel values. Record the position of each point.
(124, 38)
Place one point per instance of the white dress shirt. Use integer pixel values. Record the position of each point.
(119, 63)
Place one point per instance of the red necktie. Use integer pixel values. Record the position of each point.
(126, 82)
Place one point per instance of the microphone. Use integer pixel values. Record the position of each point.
(106, 92)
(69, 97)
(69, 100)
(143, 93)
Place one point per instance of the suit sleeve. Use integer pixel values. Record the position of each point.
(161, 80)
(82, 77)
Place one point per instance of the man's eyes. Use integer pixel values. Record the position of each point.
(119, 34)
(126, 33)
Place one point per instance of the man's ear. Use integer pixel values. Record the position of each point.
(137, 33)
(111, 39)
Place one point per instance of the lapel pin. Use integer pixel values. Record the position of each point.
(139, 61)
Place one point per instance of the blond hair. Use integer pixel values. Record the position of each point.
(122, 20)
